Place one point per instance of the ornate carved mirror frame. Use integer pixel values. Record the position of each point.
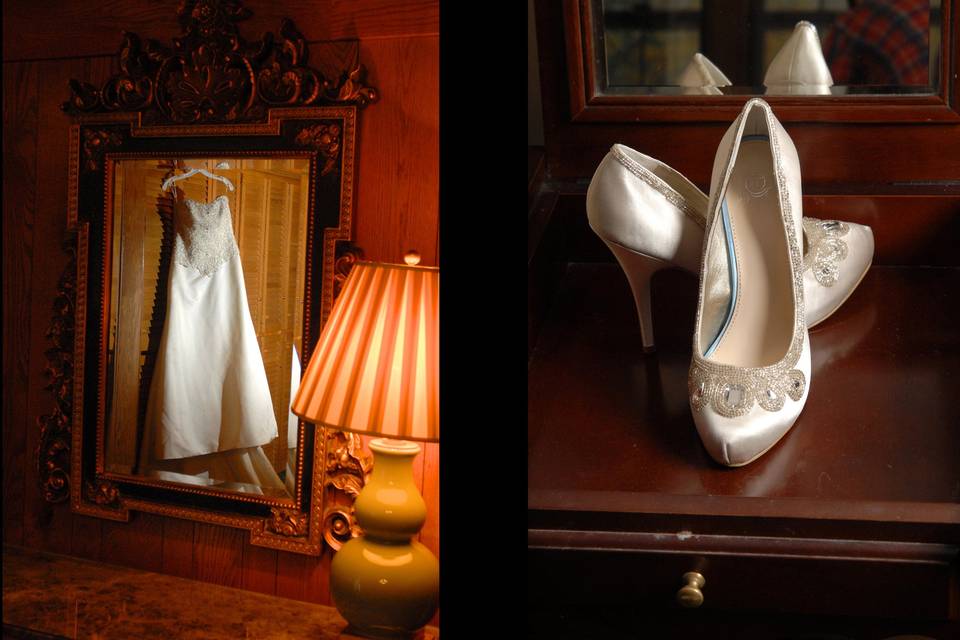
(211, 93)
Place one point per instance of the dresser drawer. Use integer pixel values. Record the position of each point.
(818, 577)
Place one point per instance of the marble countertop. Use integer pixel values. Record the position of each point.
(74, 598)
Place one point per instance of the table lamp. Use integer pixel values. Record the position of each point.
(375, 371)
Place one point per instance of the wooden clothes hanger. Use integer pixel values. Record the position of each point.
(183, 176)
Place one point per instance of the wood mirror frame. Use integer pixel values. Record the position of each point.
(211, 94)
(864, 145)
(589, 104)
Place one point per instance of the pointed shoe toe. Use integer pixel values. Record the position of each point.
(739, 440)
(838, 256)
(799, 68)
(750, 368)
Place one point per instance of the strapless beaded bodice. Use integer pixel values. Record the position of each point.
(204, 238)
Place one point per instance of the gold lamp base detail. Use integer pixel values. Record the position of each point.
(385, 584)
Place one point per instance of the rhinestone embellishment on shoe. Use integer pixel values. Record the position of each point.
(734, 393)
(712, 383)
(825, 249)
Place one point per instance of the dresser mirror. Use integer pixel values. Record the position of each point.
(870, 47)
(162, 341)
(211, 187)
(841, 61)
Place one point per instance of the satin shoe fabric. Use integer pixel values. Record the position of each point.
(652, 217)
(701, 76)
(799, 68)
(748, 393)
(648, 208)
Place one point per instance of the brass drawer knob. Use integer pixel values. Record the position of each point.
(689, 595)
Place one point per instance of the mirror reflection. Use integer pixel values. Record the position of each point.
(768, 47)
(208, 269)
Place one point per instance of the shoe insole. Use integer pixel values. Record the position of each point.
(732, 276)
(759, 323)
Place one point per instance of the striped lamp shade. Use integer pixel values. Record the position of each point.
(375, 369)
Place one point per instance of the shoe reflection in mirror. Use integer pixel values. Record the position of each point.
(799, 68)
(701, 76)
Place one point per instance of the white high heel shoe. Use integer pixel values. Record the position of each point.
(701, 76)
(652, 218)
(799, 67)
(750, 371)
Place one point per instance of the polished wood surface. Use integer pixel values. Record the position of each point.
(396, 210)
(71, 598)
(77, 29)
(879, 425)
(855, 512)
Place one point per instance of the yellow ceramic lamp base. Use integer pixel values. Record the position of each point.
(385, 584)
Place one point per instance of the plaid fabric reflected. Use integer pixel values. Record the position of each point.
(880, 42)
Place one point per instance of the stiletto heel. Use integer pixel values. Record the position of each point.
(639, 268)
(649, 209)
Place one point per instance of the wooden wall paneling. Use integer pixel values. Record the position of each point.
(135, 203)
(292, 575)
(20, 87)
(178, 538)
(54, 528)
(46, 525)
(85, 537)
(430, 534)
(397, 182)
(73, 29)
(137, 543)
(418, 470)
(218, 554)
(316, 585)
(259, 569)
(304, 577)
(829, 155)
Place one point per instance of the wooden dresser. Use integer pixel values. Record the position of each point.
(850, 526)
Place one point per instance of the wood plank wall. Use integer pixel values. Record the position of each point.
(396, 210)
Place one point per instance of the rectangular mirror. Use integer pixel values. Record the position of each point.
(206, 322)
(694, 47)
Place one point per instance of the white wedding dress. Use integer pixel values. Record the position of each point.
(209, 393)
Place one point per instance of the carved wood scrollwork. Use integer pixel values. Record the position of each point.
(103, 493)
(347, 255)
(347, 468)
(339, 525)
(238, 97)
(325, 138)
(53, 452)
(211, 74)
(95, 144)
(288, 522)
